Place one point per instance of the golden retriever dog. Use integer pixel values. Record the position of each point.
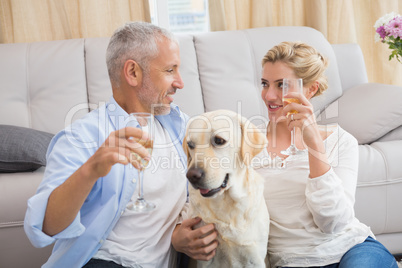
(225, 189)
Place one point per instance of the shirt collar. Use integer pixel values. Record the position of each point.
(118, 116)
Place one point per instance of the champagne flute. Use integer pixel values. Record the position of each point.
(146, 122)
(290, 85)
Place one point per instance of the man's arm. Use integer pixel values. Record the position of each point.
(66, 200)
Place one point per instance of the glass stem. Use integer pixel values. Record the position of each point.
(292, 137)
(140, 179)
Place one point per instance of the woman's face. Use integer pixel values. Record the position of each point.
(271, 81)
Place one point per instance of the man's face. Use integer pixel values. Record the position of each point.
(162, 80)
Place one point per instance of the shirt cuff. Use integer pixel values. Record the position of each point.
(33, 223)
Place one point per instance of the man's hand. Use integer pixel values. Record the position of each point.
(199, 244)
(118, 148)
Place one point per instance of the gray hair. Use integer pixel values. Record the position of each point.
(137, 41)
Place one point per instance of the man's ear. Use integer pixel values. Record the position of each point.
(312, 90)
(132, 73)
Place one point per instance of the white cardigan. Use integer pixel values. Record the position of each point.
(312, 220)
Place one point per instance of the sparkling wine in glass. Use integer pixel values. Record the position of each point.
(290, 85)
(146, 122)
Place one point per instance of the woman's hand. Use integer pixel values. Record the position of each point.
(305, 120)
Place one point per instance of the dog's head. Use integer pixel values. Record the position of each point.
(219, 145)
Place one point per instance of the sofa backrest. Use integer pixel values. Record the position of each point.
(41, 82)
(47, 85)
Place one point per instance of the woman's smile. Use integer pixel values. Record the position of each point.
(274, 107)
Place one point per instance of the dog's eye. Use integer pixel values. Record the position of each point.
(219, 141)
(191, 145)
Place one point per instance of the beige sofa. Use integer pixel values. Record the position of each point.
(47, 85)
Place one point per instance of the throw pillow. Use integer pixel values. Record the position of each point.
(22, 149)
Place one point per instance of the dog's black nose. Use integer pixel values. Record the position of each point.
(194, 174)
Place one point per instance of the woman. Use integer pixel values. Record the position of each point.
(310, 197)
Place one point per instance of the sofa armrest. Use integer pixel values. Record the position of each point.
(351, 66)
(368, 111)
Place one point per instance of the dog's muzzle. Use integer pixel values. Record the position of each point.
(196, 176)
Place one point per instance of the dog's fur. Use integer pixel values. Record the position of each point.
(220, 146)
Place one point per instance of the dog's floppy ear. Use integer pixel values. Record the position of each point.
(185, 148)
(253, 141)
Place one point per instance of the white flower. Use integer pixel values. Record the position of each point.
(385, 19)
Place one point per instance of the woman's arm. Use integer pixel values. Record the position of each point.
(332, 181)
(330, 197)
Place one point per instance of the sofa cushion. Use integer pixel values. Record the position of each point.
(98, 83)
(368, 111)
(228, 74)
(352, 69)
(22, 149)
(14, 84)
(190, 98)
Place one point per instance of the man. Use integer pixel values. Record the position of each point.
(89, 179)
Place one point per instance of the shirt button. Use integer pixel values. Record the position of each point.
(134, 180)
(101, 242)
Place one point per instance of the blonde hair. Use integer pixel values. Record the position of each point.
(306, 62)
